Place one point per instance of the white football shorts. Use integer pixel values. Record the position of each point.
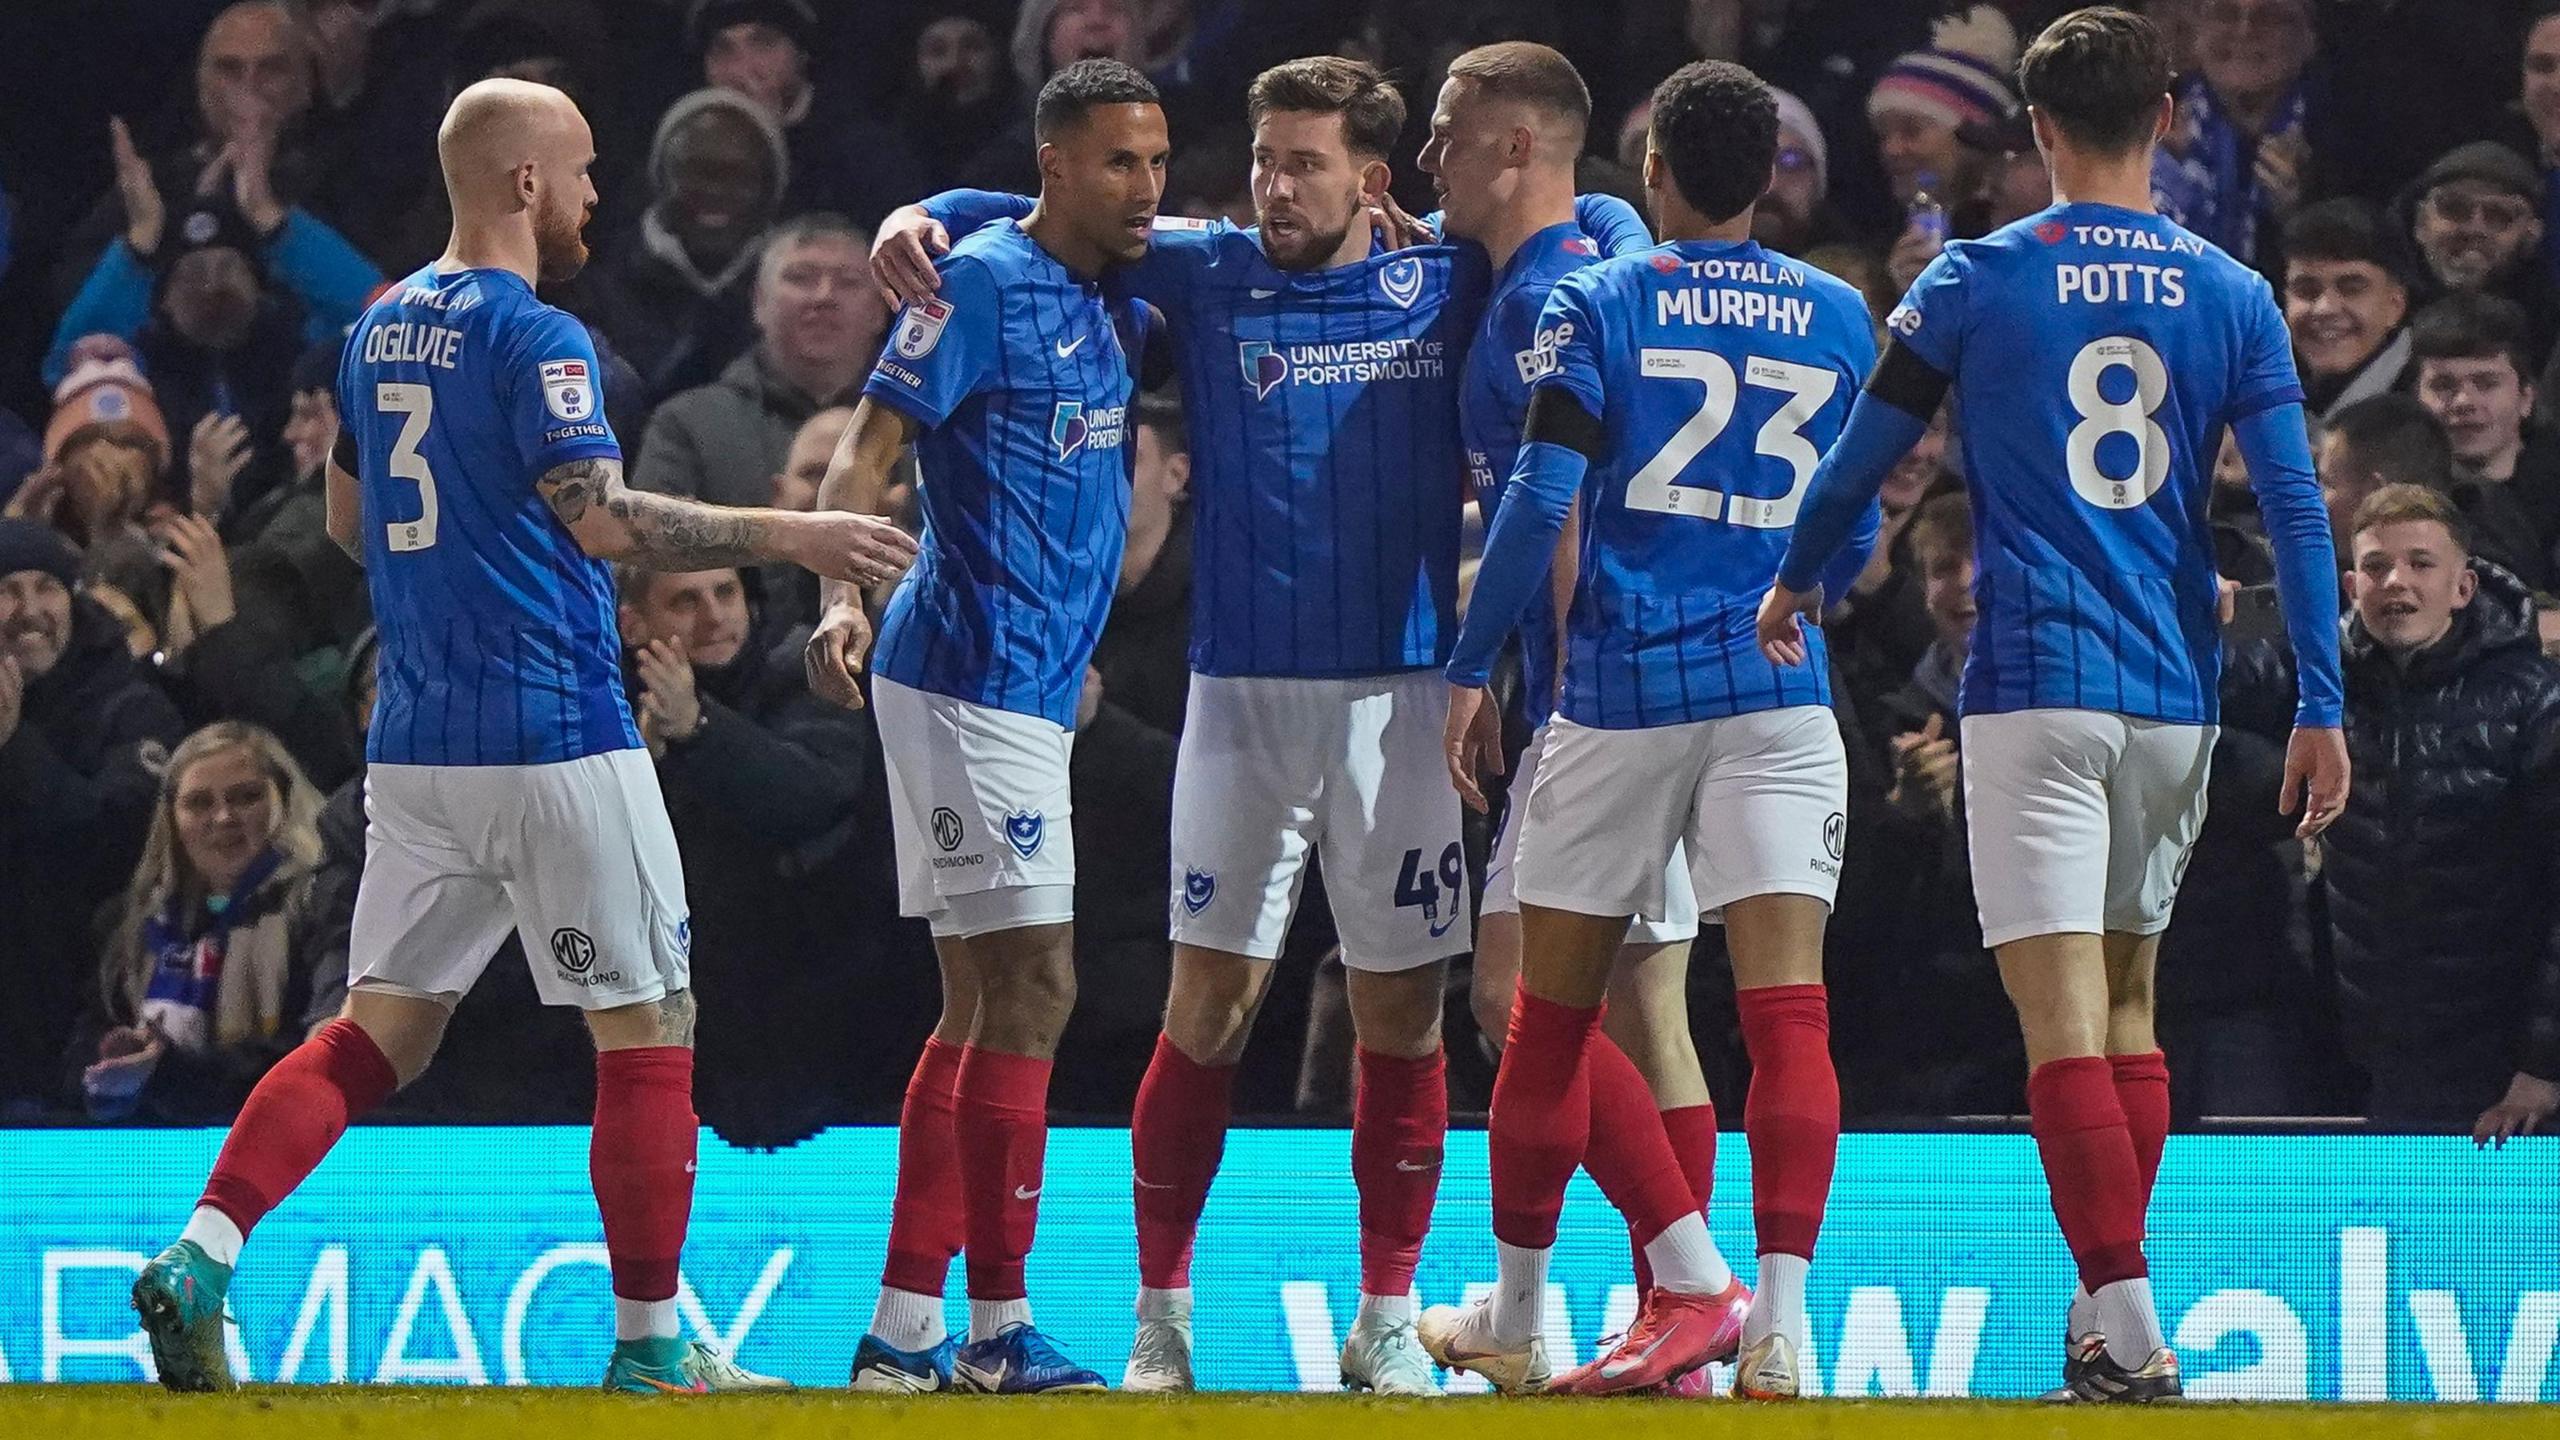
(1271, 768)
(2080, 820)
(1760, 800)
(978, 798)
(577, 857)
(1679, 919)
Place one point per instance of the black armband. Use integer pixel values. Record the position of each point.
(343, 453)
(1557, 417)
(1908, 383)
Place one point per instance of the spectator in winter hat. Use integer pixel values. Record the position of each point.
(1791, 216)
(960, 91)
(674, 293)
(1924, 97)
(80, 725)
(841, 161)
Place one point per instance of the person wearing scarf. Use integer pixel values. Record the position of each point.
(206, 974)
(2238, 157)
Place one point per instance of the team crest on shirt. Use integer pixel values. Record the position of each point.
(1067, 429)
(921, 330)
(1024, 830)
(1401, 280)
(1265, 368)
(1199, 887)
(568, 389)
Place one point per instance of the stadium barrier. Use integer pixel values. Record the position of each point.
(2286, 1266)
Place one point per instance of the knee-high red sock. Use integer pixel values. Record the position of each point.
(1792, 1113)
(1004, 1136)
(2089, 1165)
(2142, 1088)
(298, 1110)
(1541, 1117)
(1176, 1136)
(1399, 1122)
(1629, 1156)
(925, 1224)
(1692, 1129)
(640, 1157)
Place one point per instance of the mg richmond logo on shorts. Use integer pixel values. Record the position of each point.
(946, 828)
(572, 951)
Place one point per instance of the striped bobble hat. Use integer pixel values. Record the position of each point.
(1963, 77)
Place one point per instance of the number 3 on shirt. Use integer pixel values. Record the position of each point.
(1808, 388)
(417, 405)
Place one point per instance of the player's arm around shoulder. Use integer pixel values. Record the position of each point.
(856, 479)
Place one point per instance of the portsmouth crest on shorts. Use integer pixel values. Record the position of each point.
(1401, 280)
(1024, 830)
(1199, 887)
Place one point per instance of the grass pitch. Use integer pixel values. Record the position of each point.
(350, 1413)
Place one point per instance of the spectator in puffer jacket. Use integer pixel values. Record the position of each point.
(2442, 874)
(81, 725)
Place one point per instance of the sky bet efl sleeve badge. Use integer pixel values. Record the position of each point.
(568, 389)
(921, 330)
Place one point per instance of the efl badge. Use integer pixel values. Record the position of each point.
(922, 329)
(568, 389)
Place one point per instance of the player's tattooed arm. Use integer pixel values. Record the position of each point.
(612, 521)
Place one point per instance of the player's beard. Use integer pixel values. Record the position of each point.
(559, 247)
(1307, 248)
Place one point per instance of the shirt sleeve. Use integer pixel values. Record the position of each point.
(2267, 376)
(1613, 223)
(1571, 357)
(1930, 320)
(555, 396)
(942, 348)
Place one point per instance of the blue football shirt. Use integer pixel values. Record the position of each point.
(1327, 478)
(1017, 374)
(1720, 372)
(499, 645)
(1509, 351)
(2098, 355)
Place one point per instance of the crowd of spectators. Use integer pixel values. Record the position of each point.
(196, 198)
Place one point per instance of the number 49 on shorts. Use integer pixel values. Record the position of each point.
(1416, 885)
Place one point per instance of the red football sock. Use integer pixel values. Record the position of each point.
(1692, 1129)
(1003, 1122)
(925, 1224)
(1399, 1122)
(2142, 1088)
(640, 1157)
(298, 1110)
(1630, 1157)
(1177, 1134)
(1792, 1114)
(2090, 1167)
(1540, 1122)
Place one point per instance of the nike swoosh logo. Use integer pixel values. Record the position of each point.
(1410, 1168)
(1443, 927)
(1068, 347)
(1150, 1184)
(1262, 294)
(1025, 1192)
(1616, 1368)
